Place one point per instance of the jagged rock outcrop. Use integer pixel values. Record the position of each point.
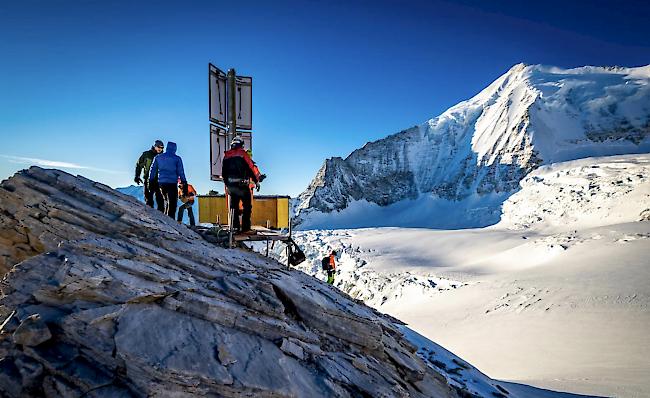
(530, 116)
(104, 297)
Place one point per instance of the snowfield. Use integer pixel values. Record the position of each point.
(556, 295)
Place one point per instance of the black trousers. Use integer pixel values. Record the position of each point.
(241, 193)
(151, 189)
(170, 195)
(190, 212)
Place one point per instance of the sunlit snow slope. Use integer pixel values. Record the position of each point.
(455, 171)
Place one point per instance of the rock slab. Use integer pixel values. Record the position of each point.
(104, 297)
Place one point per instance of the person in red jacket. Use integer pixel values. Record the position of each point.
(238, 170)
(332, 269)
(260, 177)
(256, 169)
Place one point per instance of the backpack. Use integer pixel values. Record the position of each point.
(325, 263)
(296, 256)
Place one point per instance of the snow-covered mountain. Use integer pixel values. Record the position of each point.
(137, 191)
(457, 169)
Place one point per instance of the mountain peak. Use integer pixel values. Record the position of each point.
(517, 68)
(477, 151)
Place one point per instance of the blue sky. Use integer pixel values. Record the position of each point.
(91, 84)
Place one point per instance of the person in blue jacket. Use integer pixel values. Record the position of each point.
(167, 168)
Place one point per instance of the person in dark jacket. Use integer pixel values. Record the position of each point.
(237, 171)
(143, 166)
(167, 168)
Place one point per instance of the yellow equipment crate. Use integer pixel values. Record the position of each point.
(270, 211)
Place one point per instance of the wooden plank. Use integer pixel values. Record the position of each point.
(261, 234)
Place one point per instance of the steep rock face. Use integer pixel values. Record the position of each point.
(104, 297)
(530, 116)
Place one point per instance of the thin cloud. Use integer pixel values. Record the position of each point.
(53, 163)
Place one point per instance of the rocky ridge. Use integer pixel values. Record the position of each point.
(103, 297)
(530, 116)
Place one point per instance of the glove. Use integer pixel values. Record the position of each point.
(137, 180)
(262, 177)
(185, 189)
(257, 186)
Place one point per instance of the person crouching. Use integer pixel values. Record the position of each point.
(188, 202)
